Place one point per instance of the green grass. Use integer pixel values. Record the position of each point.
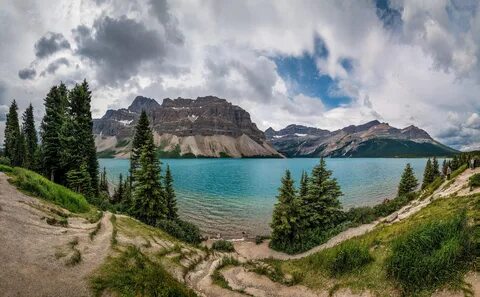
(432, 254)
(113, 220)
(37, 185)
(223, 246)
(432, 187)
(134, 274)
(95, 231)
(474, 180)
(217, 277)
(314, 271)
(348, 257)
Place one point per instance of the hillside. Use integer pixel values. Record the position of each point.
(202, 127)
(373, 139)
(84, 252)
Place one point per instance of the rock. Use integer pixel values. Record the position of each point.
(206, 126)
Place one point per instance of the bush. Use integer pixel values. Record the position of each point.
(474, 180)
(432, 254)
(361, 215)
(223, 246)
(134, 274)
(5, 168)
(261, 238)
(348, 257)
(5, 161)
(39, 186)
(182, 230)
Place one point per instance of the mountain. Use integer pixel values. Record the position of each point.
(202, 127)
(372, 139)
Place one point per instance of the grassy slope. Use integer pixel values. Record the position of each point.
(314, 273)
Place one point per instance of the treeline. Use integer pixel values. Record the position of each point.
(310, 215)
(66, 155)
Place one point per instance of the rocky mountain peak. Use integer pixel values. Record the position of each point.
(143, 103)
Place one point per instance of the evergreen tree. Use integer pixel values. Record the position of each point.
(51, 132)
(31, 139)
(142, 130)
(435, 168)
(428, 174)
(285, 219)
(321, 208)
(79, 180)
(78, 141)
(12, 136)
(19, 153)
(444, 167)
(170, 196)
(148, 203)
(408, 182)
(103, 185)
(304, 184)
(119, 193)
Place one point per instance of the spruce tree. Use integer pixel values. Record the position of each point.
(148, 203)
(79, 180)
(78, 141)
(51, 132)
(19, 153)
(12, 136)
(428, 174)
(435, 168)
(170, 199)
(408, 181)
(31, 139)
(103, 184)
(119, 193)
(142, 130)
(285, 219)
(303, 184)
(444, 167)
(321, 208)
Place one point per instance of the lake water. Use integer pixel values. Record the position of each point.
(228, 196)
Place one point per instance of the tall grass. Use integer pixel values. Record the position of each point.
(349, 257)
(39, 186)
(134, 274)
(432, 254)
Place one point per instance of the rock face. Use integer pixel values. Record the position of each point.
(206, 127)
(373, 139)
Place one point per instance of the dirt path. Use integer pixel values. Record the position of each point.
(252, 251)
(34, 254)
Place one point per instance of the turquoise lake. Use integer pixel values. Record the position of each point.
(231, 196)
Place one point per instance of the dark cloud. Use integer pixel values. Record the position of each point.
(118, 47)
(52, 67)
(27, 73)
(160, 10)
(49, 44)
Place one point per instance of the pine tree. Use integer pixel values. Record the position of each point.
(119, 193)
(19, 153)
(12, 136)
(428, 174)
(170, 196)
(303, 184)
(103, 185)
(444, 167)
(435, 168)
(79, 180)
(148, 203)
(142, 130)
(31, 139)
(285, 219)
(78, 141)
(51, 132)
(321, 208)
(408, 182)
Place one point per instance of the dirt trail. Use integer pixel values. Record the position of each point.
(250, 250)
(33, 254)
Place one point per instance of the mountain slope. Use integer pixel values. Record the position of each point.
(372, 139)
(204, 127)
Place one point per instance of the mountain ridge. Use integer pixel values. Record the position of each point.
(372, 139)
(203, 127)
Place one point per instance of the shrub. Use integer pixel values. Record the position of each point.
(39, 186)
(5, 168)
(348, 257)
(261, 238)
(432, 254)
(182, 230)
(5, 161)
(474, 180)
(134, 274)
(361, 215)
(223, 246)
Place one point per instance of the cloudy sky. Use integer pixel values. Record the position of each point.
(327, 64)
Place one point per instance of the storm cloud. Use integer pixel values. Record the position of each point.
(27, 73)
(53, 66)
(49, 44)
(119, 47)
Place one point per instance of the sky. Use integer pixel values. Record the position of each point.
(327, 64)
